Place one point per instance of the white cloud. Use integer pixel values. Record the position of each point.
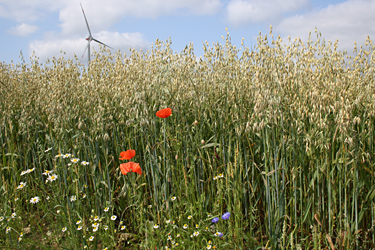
(23, 29)
(349, 21)
(244, 12)
(53, 47)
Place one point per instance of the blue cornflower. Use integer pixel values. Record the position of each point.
(214, 220)
(226, 216)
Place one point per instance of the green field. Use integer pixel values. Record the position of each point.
(281, 136)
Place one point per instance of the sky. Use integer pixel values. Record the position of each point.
(48, 29)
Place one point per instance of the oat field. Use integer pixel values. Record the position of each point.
(270, 147)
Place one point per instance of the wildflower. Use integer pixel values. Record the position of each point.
(84, 163)
(95, 229)
(106, 209)
(52, 178)
(16, 199)
(91, 238)
(105, 227)
(219, 234)
(83, 196)
(185, 226)
(113, 217)
(149, 206)
(123, 227)
(178, 235)
(127, 155)
(214, 220)
(57, 156)
(7, 230)
(96, 218)
(73, 198)
(35, 200)
(66, 155)
(78, 222)
(58, 211)
(75, 160)
(22, 185)
(19, 239)
(1, 218)
(130, 167)
(168, 221)
(79, 228)
(47, 172)
(164, 113)
(13, 215)
(225, 216)
(63, 229)
(96, 224)
(196, 233)
(189, 217)
(48, 149)
(173, 198)
(208, 247)
(156, 226)
(27, 171)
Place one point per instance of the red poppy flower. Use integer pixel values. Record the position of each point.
(130, 167)
(127, 155)
(164, 113)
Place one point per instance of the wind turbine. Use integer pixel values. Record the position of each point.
(90, 38)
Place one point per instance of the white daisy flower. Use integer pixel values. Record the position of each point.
(47, 172)
(35, 200)
(52, 178)
(48, 149)
(75, 160)
(22, 185)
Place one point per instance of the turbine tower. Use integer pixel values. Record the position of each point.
(90, 38)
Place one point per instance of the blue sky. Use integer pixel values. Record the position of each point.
(46, 27)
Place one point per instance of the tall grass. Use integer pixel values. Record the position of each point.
(280, 135)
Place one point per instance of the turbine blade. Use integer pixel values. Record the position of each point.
(86, 20)
(102, 43)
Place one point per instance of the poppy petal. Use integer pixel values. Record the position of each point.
(130, 167)
(124, 168)
(127, 155)
(164, 113)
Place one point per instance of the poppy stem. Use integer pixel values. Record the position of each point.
(165, 165)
